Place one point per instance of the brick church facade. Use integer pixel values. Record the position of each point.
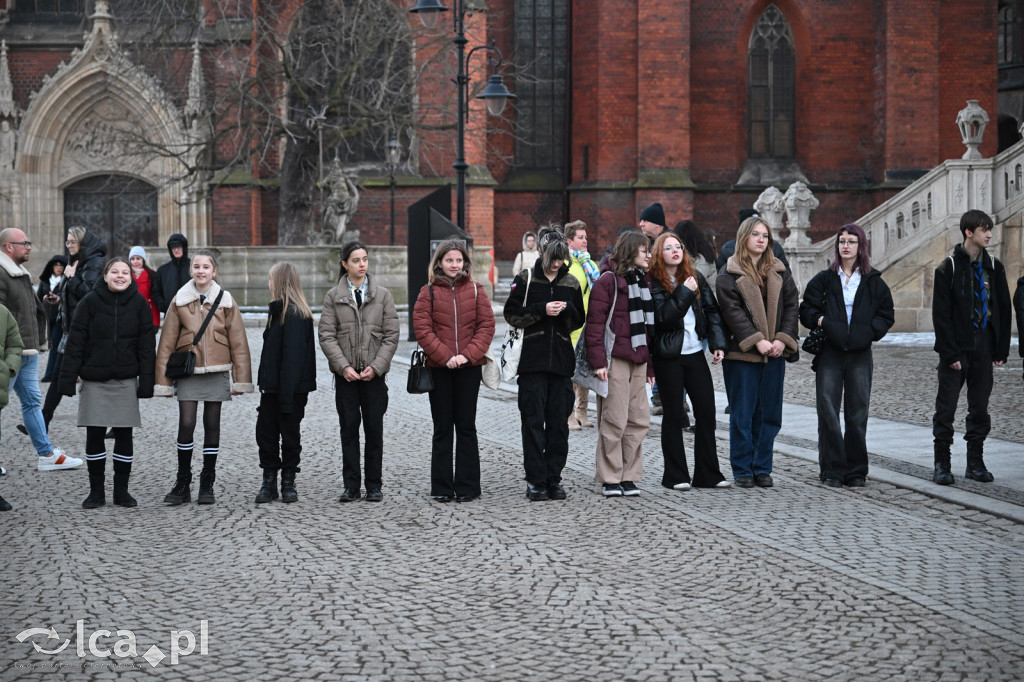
(698, 104)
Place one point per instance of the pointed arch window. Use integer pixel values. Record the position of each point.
(772, 87)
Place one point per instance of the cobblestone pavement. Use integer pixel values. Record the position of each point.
(794, 582)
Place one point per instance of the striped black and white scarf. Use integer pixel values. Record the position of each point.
(641, 308)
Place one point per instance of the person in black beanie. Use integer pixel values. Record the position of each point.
(729, 248)
(652, 221)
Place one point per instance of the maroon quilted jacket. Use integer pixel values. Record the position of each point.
(458, 320)
(601, 296)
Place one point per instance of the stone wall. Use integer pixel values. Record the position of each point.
(242, 270)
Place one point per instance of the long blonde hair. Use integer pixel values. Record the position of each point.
(743, 259)
(285, 285)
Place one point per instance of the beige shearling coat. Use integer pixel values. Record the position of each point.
(223, 346)
(746, 318)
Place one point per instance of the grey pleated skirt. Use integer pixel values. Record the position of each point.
(112, 403)
(213, 388)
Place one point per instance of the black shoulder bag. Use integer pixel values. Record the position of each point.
(182, 363)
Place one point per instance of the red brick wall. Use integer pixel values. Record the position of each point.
(232, 213)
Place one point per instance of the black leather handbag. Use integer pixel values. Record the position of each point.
(814, 341)
(421, 378)
(182, 363)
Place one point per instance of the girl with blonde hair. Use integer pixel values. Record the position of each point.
(760, 307)
(286, 377)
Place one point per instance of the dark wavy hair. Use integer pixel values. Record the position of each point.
(627, 246)
(694, 241)
(863, 261)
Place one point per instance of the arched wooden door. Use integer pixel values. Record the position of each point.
(121, 209)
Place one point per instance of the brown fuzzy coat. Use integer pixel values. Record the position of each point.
(745, 317)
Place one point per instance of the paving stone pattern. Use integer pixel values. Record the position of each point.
(798, 582)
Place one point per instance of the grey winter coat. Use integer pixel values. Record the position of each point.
(359, 337)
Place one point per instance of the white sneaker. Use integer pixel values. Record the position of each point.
(58, 460)
(681, 486)
(724, 484)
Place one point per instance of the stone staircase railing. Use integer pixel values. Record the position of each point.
(910, 220)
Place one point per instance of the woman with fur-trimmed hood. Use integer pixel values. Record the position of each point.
(760, 308)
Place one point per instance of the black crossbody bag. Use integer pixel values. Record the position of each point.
(182, 363)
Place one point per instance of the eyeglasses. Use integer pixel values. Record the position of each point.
(25, 244)
(71, 242)
(848, 242)
(645, 251)
(672, 247)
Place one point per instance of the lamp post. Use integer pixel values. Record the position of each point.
(495, 93)
(393, 152)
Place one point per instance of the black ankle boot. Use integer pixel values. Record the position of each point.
(268, 493)
(942, 475)
(122, 472)
(97, 498)
(206, 479)
(5, 505)
(976, 470)
(182, 490)
(288, 492)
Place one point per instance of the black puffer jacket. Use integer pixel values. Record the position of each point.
(288, 360)
(44, 288)
(112, 337)
(669, 314)
(546, 343)
(92, 253)
(872, 310)
(172, 275)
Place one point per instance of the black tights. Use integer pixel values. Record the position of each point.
(94, 444)
(187, 414)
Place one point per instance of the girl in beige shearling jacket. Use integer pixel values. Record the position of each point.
(223, 348)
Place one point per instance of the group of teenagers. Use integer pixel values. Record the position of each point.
(651, 311)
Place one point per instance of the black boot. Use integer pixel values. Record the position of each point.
(97, 498)
(942, 475)
(206, 478)
(976, 470)
(268, 493)
(182, 490)
(5, 505)
(288, 492)
(122, 472)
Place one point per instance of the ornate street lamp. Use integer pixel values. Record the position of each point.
(495, 93)
(393, 155)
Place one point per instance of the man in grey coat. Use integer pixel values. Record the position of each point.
(17, 294)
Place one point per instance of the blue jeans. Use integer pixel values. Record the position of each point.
(755, 394)
(26, 385)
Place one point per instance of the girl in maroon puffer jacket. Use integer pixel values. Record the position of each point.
(454, 324)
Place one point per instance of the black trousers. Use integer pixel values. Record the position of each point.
(976, 371)
(361, 403)
(677, 377)
(53, 395)
(278, 433)
(843, 378)
(453, 409)
(545, 403)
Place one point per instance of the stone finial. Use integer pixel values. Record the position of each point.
(195, 106)
(799, 203)
(972, 120)
(771, 207)
(8, 107)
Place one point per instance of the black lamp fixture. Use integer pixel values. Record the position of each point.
(495, 93)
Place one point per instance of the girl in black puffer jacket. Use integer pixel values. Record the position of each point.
(112, 347)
